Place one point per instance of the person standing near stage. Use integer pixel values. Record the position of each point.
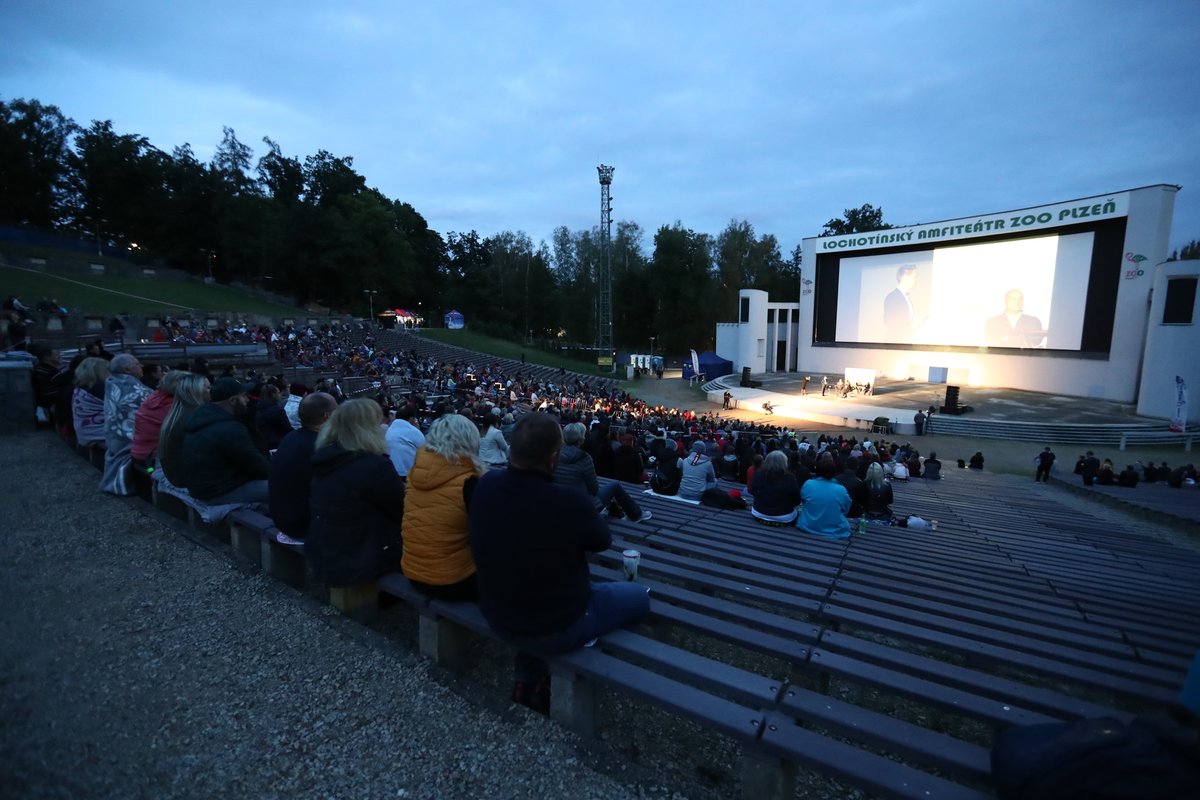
(919, 418)
(1045, 460)
(1091, 465)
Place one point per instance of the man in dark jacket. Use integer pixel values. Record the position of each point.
(1045, 462)
(849, 479)
(1128, 477)
(530, 540)
(1091, 465)
(576, 470)
(220, 460)
(290, 478)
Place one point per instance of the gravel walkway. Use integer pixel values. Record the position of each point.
(136, 662)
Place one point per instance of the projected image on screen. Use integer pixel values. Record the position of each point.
(1020, 293)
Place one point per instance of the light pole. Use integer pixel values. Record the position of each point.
(370, 293)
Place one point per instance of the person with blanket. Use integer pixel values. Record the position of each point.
(124, 393)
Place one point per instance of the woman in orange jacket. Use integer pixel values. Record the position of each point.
(437, 552)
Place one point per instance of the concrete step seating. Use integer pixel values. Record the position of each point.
(887, 660)
(1089, 434)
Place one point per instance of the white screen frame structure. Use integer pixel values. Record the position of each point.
(1024, 293)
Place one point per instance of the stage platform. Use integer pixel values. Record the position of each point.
(1009, 410)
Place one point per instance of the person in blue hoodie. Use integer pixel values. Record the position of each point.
(825, 503)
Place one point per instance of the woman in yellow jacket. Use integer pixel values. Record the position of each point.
(437, 550)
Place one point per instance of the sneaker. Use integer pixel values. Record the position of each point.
(592, 643)
(645, 516)
(283, 538)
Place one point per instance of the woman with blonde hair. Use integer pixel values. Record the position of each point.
(357, 500)
(191, 392)
(87, 401)
(437, 548)
(875, 495)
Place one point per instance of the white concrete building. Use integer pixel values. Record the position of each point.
(1054, 298)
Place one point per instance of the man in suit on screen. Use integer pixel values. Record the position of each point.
(898, 318)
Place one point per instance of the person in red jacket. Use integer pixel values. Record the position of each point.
(147, 422)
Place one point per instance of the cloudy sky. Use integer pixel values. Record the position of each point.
(493, 116)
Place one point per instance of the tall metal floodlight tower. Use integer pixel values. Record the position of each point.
(604, 333)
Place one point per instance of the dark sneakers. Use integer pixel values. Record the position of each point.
(533, 694)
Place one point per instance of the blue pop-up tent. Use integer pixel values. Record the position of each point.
(710, 364)
(454, 320)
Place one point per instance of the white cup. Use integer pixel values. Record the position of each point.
(933, 524)
(631, 560)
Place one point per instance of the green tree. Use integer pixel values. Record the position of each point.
(634, 307)
(856, 220)
(239, 211)
(576, 264)
(327, 177)
(469, 280)
(35, 147)
(683, 284)
(781, 278)
(188, 232)
(428, 253)
(1191, 250)
(117, 185)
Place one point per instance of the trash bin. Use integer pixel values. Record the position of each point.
(17, 413)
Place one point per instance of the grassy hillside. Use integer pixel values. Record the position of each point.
(507, 349)
(108, 294)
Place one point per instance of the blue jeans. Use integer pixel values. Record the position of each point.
(611, 606)
(615, 491)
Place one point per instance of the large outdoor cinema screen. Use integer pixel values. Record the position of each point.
(1048, 292)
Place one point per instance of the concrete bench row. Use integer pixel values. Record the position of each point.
(827, 647)
(767, 714)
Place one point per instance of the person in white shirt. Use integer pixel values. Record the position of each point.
(493, 448)
(403, 438)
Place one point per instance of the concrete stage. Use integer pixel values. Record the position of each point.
(900, 400)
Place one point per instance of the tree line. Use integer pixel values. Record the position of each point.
(311, 228)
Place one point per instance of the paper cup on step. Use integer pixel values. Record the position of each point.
(933, 524)
(632, 558)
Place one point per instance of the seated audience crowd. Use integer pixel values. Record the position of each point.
(478, 485)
